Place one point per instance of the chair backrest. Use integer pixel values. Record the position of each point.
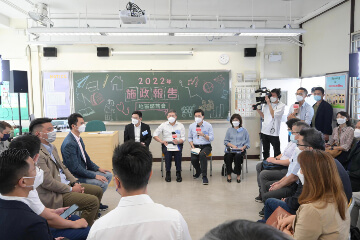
(351, 204)
(94, 126)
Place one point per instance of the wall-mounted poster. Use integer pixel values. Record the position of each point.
(336, 91)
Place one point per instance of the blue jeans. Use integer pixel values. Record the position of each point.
(99, 183)
(71, 233)
(271, 204)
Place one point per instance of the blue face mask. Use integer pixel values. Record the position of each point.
(317, 98)
(5, 137)
(292, 138)
(289, 134)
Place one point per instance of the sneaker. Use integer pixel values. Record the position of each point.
(168, 176)
(261, 213)
(258, 199)
(103, 207)
(178, 176)
(205, 181)
(197, 175)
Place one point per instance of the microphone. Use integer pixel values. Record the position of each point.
(198, 129)
(296, 105)
(174, 135)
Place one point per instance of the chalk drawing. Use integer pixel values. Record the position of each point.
(218, 112)
(187, 110)
(109, 110)
(194, 81)
(81, 98)
(220, 79)
(86, 111)
(225, 94)
(92, 86)
(208, 87)
(121, 108)
(107, 76)
(207, 106)
(117, 83)
(96, 99)
(191, 96)
(153, 106)
(81, 82)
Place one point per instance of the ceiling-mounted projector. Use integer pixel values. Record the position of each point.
(39, 15)
(133, 14)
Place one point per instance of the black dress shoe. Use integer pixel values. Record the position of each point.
(238, 180)
(168, 176)
(228, 180)
(178, 176)
(197, 175)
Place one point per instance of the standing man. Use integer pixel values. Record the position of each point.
(272, 113)
(301, 110)
(323, 114)
(201, 135)
(5, 130)
(78, 161)
(353, 167)
(173, 133)
(137, 130)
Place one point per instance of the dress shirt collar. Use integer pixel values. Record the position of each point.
(135, 200)
(49, 147)
(76, 137)
(168, 123)
(138, 126)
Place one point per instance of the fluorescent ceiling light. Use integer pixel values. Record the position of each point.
(137, 34)
(217, 34)
(70, 34)
(269, 34)
(152, 53)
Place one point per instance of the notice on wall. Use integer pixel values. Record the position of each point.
(335, 91)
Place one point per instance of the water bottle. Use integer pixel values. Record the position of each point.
(228, 117)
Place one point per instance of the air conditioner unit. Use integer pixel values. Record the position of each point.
(126, 18)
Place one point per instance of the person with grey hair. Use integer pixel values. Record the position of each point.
(244, 230)
(173, 137)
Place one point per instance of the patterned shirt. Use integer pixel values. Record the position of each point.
(346, 137)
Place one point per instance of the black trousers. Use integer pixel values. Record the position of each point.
(168, 156)
(238, 160)
(266, 141)
(200, 161)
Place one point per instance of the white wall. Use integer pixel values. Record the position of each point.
(327, 42)
(357, 16)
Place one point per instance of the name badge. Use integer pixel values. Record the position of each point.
(240, 129)
(205, 132)
(144, 133)
(177, 131)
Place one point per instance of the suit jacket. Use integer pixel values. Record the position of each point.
(52, 189)
(19, 222)
(354, 162)
(74, 160)
(323, 118)
(129, 133)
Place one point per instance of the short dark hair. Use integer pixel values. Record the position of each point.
(277, 91)
(246, 230)
(345, 114)
(132, 163)
(199, 111)
(172, 111)
(4, 125)
(235, 115)
(13, 166)
(73, 119)
(301, 125)
(303, 89)
(139, 113)
(313, 138)
(291, 122)
(319, 89)
(29, 142)
(36, 124)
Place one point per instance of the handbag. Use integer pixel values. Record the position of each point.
(271, 166)
(273, 219)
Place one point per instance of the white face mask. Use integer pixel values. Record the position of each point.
(341, 120)
(82, 128)
(273, 99)
(134, 121)
(39, 178)
(301, 176)
(51, 137)
(357, 133)
(299, 98)
(171, 119)
(198, 120)
(236, 123)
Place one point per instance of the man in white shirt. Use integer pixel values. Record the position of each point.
(272, 113)
(301, 109)
(173, 133)
(137, 216)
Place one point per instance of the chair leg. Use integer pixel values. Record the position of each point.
(242, 170)
(246, 163)
(162, 167)
(210, 166)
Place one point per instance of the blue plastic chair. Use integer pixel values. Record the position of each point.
(95, 126)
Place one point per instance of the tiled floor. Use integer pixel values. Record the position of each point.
(203, 207)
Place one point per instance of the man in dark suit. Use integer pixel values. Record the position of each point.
(323, 114)
(137, 130)
(78, 161)
(353, 166)
(18, 176)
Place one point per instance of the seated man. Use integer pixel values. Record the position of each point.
(137, 130)
(264, 175)
(5, 130)
(74, 228)
(308, 139)
(60, 187)
(137, 216)
(78, 161)
(18, 177)
(353, 163)
(201, 135)
(355, 211)
(172, 132)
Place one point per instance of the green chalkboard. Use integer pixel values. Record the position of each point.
(113, 96)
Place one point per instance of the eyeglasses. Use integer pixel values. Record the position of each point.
(298, 94)
(293, 133)
(300, 145)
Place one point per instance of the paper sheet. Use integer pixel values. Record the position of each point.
(49, 85)
(51, 112)
(172, 147)
(56, 98)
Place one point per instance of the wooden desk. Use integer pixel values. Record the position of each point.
(99, 147)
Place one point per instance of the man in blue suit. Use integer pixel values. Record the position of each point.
(78, 161)
(18, 176)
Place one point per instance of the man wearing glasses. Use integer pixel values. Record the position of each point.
(301, 109)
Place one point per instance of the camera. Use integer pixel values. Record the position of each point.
(261, 99)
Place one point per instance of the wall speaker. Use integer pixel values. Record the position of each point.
(18, 82)
(50, 52)
(250, 52)
(354, 65)
(103, 52)
(5, 65)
